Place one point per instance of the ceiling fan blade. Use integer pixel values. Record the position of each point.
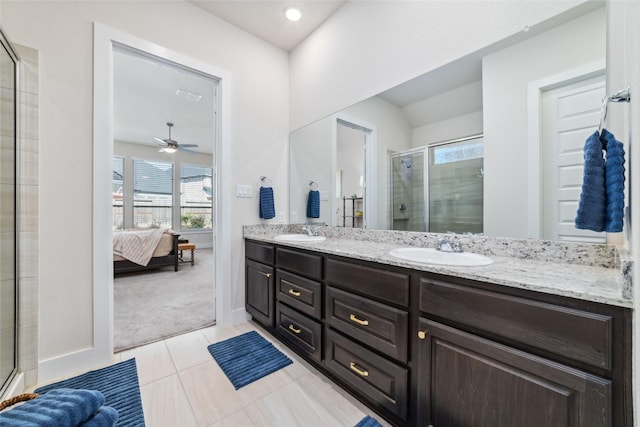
(161, 141)
(188, 145)
(186, 150)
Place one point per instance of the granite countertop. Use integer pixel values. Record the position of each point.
(586, 282)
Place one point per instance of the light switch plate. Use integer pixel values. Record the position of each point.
(244, 190)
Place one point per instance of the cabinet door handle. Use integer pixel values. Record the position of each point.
(353, 318)
(267, 274)
(423, 334)
(294, 330)
(358, 371)
(294, 293)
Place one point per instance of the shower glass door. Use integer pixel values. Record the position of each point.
(408, 191)
(8, 247)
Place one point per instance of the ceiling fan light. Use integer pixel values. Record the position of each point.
(169, 150)
(293, 14)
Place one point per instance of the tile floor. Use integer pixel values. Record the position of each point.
(181, 385)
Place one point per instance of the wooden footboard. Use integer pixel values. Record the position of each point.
(126, 266)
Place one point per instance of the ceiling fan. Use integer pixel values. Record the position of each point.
(171, 146)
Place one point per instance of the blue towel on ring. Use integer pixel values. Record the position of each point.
(267, 207)
(591, 207)
(62, 408)
(614, 180)
(313, 204)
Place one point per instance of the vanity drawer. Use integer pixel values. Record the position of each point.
(387, 286)
(298, 330)
(302, 263)
(377, 379)
(580, 335)
(260, 252)
(302, 294)
(380, 326)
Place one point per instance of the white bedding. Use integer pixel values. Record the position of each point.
(140, 246)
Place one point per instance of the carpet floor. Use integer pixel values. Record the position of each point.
(158, 304)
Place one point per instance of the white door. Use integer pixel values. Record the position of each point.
(570, 114)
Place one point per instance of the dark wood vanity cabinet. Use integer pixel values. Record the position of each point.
(423, 349)
(260, 282)
(491, 356)
(299, 301)
(367, 329)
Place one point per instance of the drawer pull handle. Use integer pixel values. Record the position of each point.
(294, 330)
(423, 334)
(353, 318)
(358, 371)
(267, 274)
(294, 293)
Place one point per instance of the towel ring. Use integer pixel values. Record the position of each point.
(313, 185)
(623, 95)
(263, 181)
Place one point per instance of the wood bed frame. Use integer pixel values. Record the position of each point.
(126, 266)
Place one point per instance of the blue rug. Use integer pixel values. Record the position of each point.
(368, 422)
(247, 358)
(118, 383)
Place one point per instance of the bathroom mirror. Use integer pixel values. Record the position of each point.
(531, 100)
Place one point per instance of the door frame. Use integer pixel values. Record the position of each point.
(535, 90)
(370, 166)
(104, 39)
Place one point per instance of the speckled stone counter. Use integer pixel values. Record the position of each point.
(585, 271)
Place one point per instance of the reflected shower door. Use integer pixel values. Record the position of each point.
(408, 191)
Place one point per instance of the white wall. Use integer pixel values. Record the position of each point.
(368, 47)
(446, 130)
(505, 76)
(62, 32)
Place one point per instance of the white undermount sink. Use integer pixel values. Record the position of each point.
(434, 256)
(298, 238)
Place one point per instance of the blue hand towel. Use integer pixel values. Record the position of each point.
(57, 408)
(267, 208)
(614, 179)
(313, 204)
(591, 207)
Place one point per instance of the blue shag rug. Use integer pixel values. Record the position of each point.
(118, 383)
(247, 358)
(368, 422)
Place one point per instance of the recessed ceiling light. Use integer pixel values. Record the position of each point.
(293, 14)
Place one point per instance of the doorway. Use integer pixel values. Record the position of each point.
(164, 139)
(354, 174)
(105, 41)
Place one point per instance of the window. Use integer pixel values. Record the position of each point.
(196, 194)
(117, 184)
(152, 194)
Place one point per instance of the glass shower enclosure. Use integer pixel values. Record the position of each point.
(439, 188)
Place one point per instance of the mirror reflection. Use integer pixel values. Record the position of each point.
(490, 143)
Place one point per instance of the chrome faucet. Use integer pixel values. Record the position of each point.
(446, 245)
(310, 231)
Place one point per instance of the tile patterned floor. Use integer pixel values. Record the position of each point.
(181, 385)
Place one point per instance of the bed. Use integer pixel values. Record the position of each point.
(164, 253)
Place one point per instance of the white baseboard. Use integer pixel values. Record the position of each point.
(70, 364)
(239, 315)
(15, 388)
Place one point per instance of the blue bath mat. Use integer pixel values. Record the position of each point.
(118, 383)
(247, 358)
(368, 422)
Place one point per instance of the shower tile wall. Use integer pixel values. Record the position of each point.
(28, 215)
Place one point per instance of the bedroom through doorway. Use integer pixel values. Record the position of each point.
(163, 184)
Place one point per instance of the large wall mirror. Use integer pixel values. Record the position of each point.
(490, 143)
